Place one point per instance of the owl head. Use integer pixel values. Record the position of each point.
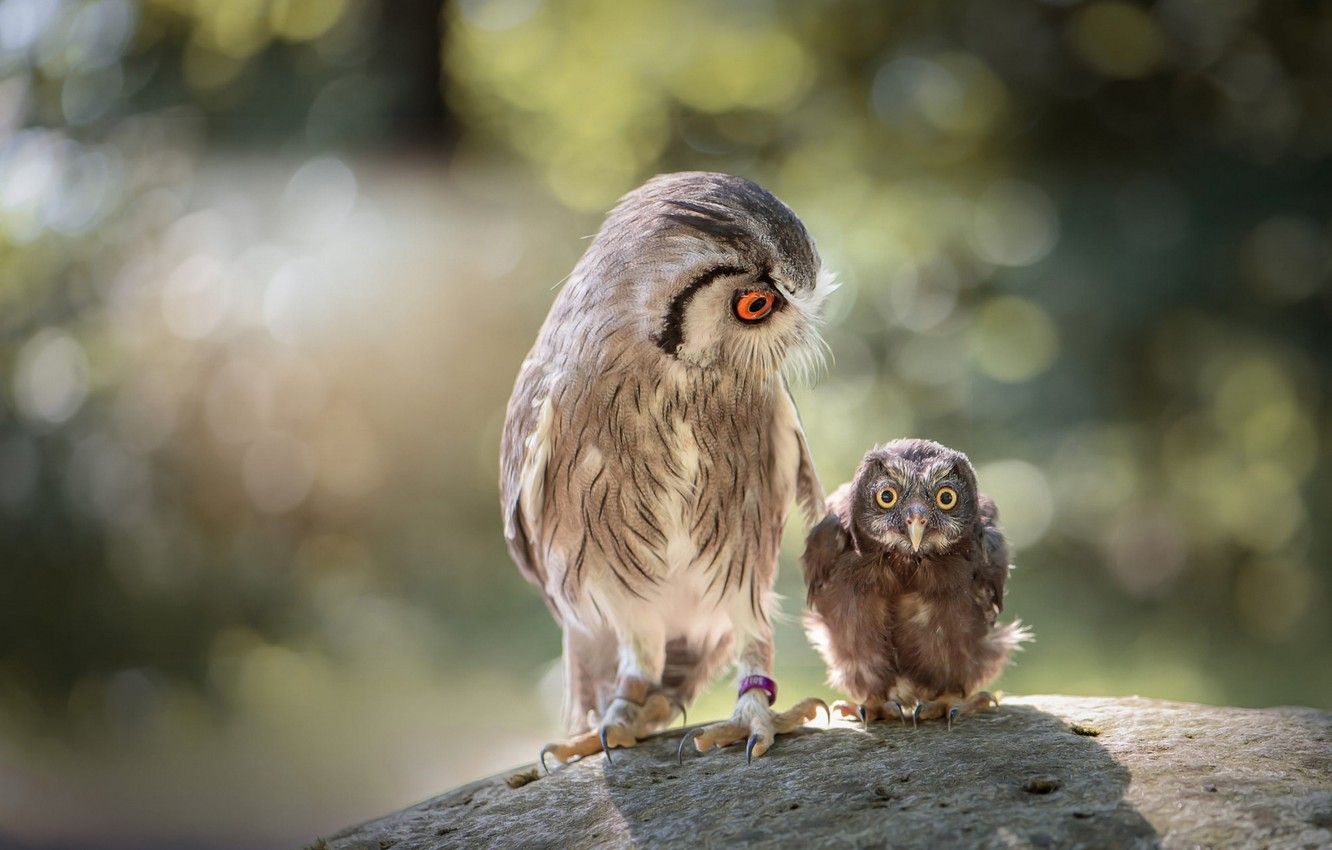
(716, 271)
(914, 496)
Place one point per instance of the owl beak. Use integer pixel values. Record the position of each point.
(916, 522)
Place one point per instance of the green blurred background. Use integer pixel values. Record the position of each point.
(268, 268)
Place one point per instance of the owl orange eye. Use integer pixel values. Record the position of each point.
(754, 305)
(887, 497)
(946, 498)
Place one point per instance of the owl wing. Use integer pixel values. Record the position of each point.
(992, 569)
(827, 542)
(809, 492)
(524, 453)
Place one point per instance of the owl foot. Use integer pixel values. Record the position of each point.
(953, 707)
(625, 724)
(866, 713)
(755, 722)
(578, 746)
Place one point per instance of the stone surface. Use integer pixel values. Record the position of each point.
(1036, 772)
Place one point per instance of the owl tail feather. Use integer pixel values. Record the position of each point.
(1011, 636)
(1002, 642)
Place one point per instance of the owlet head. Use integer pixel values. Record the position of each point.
(914, 496)
(721, 273)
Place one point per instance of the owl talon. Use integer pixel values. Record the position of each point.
(605, 747)
(754, 724)
(901, 715)
(749, 746)
(827, 712)
(981, 701)
(864, 717)
(627, 721)
(578, 747)
(952, 715)
(915, 715)
(688, 736)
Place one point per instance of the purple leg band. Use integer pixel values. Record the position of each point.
(763, 683)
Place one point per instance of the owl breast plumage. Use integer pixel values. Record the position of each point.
(633, 478)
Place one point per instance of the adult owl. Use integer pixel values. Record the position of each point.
(651, 451)
(905, 580)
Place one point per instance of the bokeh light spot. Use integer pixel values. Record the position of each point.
(278, 471)
(195, 297)
(497, 15)
(50, 377)
(319, 198)
(1117, 39)
(1012, 339)
(950, 94)
(238, 401)
(1286, 258)
(1022, 492)
(1015, 224)
(303, 20)
(1145, 550)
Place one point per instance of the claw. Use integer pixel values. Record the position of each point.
(952, 715)
(749, 747)
(901, 715)
(864, 717)
(542, 757)
(915, 714)
(688, 736)
(827, 712)
(605, 748)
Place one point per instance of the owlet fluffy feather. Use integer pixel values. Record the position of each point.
(905, 578)
(651, 452)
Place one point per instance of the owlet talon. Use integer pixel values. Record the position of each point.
(844, 709)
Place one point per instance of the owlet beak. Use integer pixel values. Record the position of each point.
(916, 523)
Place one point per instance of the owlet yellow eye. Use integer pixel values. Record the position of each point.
(887, 497)
(946, 498)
